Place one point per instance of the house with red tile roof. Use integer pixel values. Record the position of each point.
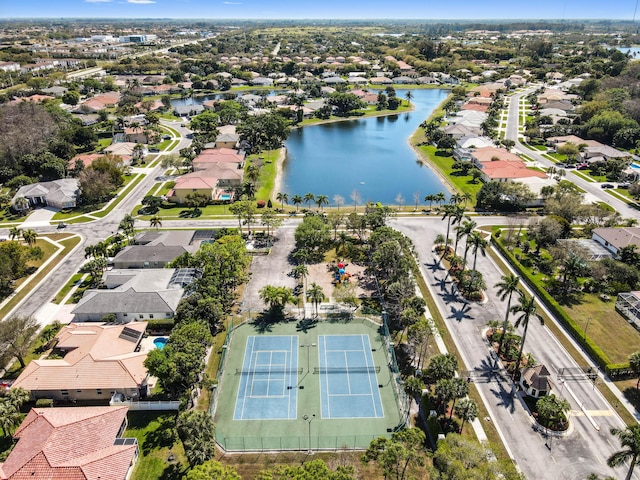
(93, 362)
(500, 165)
(81, 443)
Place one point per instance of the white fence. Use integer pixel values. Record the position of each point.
(146, 405)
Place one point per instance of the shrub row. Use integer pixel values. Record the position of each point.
(614, 370)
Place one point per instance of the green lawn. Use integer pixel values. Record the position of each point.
(68, 286)
(444, 164)
(370, 111)
(103, 143)
(157, 439)
(7, 216)
(182, 211)
(266, 182)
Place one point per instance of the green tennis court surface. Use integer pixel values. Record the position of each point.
(271, 380)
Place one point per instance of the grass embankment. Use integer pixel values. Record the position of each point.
(68, 242)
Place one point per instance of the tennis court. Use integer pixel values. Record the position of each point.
(348, 380)
(269, 376)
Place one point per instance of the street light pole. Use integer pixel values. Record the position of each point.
(584, 338)
(309, 419)
(308, 354)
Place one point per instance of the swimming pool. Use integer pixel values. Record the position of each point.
(635, 166)
(160, 342)
(227, 196)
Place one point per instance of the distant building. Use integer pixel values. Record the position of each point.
(62, 193)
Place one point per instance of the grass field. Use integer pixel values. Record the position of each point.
(157, 439)
(293, 434)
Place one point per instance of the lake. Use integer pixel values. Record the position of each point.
(370, 155)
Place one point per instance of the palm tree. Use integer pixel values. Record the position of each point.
(155, 221)
(440, 198)
(322, 200)
(315, 295)
(630, 438)
(409, 96)
(282, 198)
(430, 198)
(478, 245)
(528, 310)
(308, 198)
(344, 238)
(29, 236)
(253, 172)
(464, 230)
(467, 411)
(468, 227)
(506, 289)
(14, 232)
(299, 271)
(277, 297)
(572, 266)
(297, 201)
(249, 189)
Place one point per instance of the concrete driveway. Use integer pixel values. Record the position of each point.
(40, 217)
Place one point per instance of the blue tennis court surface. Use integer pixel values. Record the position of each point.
(268, 386)
(348, 381)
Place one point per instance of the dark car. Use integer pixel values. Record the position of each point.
(606, 185)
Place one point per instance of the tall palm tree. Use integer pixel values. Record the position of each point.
(469, 226)
(297, 201)
(322, 200)
(448, 212)
(464, 230)
(527, 310)
(29, 236)
(253, 172)
(506, 288)
(308, 198)
(155, 221)
(276, 297)
(316, 295)
(478, 245)
(282, 198)
(440, 197)
(344, 239)
(630, 438)
(301, 270)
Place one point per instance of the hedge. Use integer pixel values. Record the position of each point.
(613, 369)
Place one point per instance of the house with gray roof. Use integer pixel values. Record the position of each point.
(186, 110)
(62, 193)
(613, 239)
(135, 295)
(148, 256)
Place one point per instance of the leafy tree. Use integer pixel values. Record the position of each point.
(151, 204)
(196, 201)
(178, 365)
(197, 432)
(16, 335)
(29, 236)
(459, 458)
(264, 132)
(212, 469)
(404, 450)
(95, 268)
(270, 220)
(313, 236)
(345, 103)
(246, 211)
(94, 186)
(71, 97)
(629, 438)
(418, 337)
(552, 410)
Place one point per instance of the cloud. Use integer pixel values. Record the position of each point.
(98, 1)
(140, 2)
(232, 3)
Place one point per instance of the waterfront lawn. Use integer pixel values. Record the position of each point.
(157, 439)
(445, 164)
(268, 162)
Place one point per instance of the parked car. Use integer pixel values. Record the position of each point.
(61, 225)
(570, 165)
(582, 166)
(606, 185)
(624, 185)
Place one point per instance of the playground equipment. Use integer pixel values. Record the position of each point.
(340, 274)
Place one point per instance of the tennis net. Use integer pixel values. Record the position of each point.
(318, 370)
(263, 370)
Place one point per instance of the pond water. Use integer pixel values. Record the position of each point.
(633, 50)
(370, 156)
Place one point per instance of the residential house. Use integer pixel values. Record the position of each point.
(135, 294)
(535, 381)
(457, 131)
(10, 66)
(124, 150)
(148, 256)
(93, 362)
(82, 443)
(500, 165)
(262, 82)
(227, 140)
(603, 152)
(614, 239)
(135, 135)
(62, 193)
(187, 110)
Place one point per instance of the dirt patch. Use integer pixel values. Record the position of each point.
(323, 274)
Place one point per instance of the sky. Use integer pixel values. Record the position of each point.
(324, 9)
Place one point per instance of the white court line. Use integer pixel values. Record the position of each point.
(366, 361)
(244, 403)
